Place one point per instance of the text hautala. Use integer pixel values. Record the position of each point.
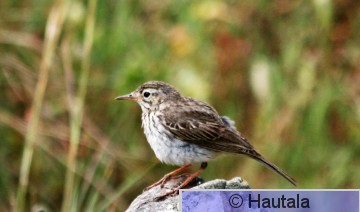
(279, 202)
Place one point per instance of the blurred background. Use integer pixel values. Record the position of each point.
(288, 73)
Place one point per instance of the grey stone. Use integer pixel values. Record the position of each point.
(148, 200)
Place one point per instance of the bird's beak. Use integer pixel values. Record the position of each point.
(127, 97)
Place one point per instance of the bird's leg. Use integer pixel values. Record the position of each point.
(166, 177)
(187, 181)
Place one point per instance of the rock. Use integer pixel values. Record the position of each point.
(147, 201)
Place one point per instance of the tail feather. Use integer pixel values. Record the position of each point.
(273, 167)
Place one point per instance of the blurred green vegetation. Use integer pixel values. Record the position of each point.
(288, 73)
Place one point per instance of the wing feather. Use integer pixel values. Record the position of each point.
(205, 129)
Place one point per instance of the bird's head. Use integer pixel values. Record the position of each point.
(151, 95)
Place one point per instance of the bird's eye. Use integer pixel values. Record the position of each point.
(146, 94)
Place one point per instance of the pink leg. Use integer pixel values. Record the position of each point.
(166, 177)
(187, 181)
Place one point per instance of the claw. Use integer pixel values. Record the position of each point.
(161, 182)
(172, 192)
(183, 184)
(166, 177)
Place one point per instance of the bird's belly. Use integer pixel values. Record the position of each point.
(176, 152)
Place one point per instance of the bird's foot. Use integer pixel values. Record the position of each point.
(172, 192)
(185, 181)
(167, 177)
(161, 182)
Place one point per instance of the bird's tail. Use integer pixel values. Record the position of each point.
(272, 166)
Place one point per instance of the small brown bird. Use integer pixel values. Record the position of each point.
(184, 131)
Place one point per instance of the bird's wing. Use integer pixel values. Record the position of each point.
(205, 128)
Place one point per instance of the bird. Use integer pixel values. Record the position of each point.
(183, 131)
